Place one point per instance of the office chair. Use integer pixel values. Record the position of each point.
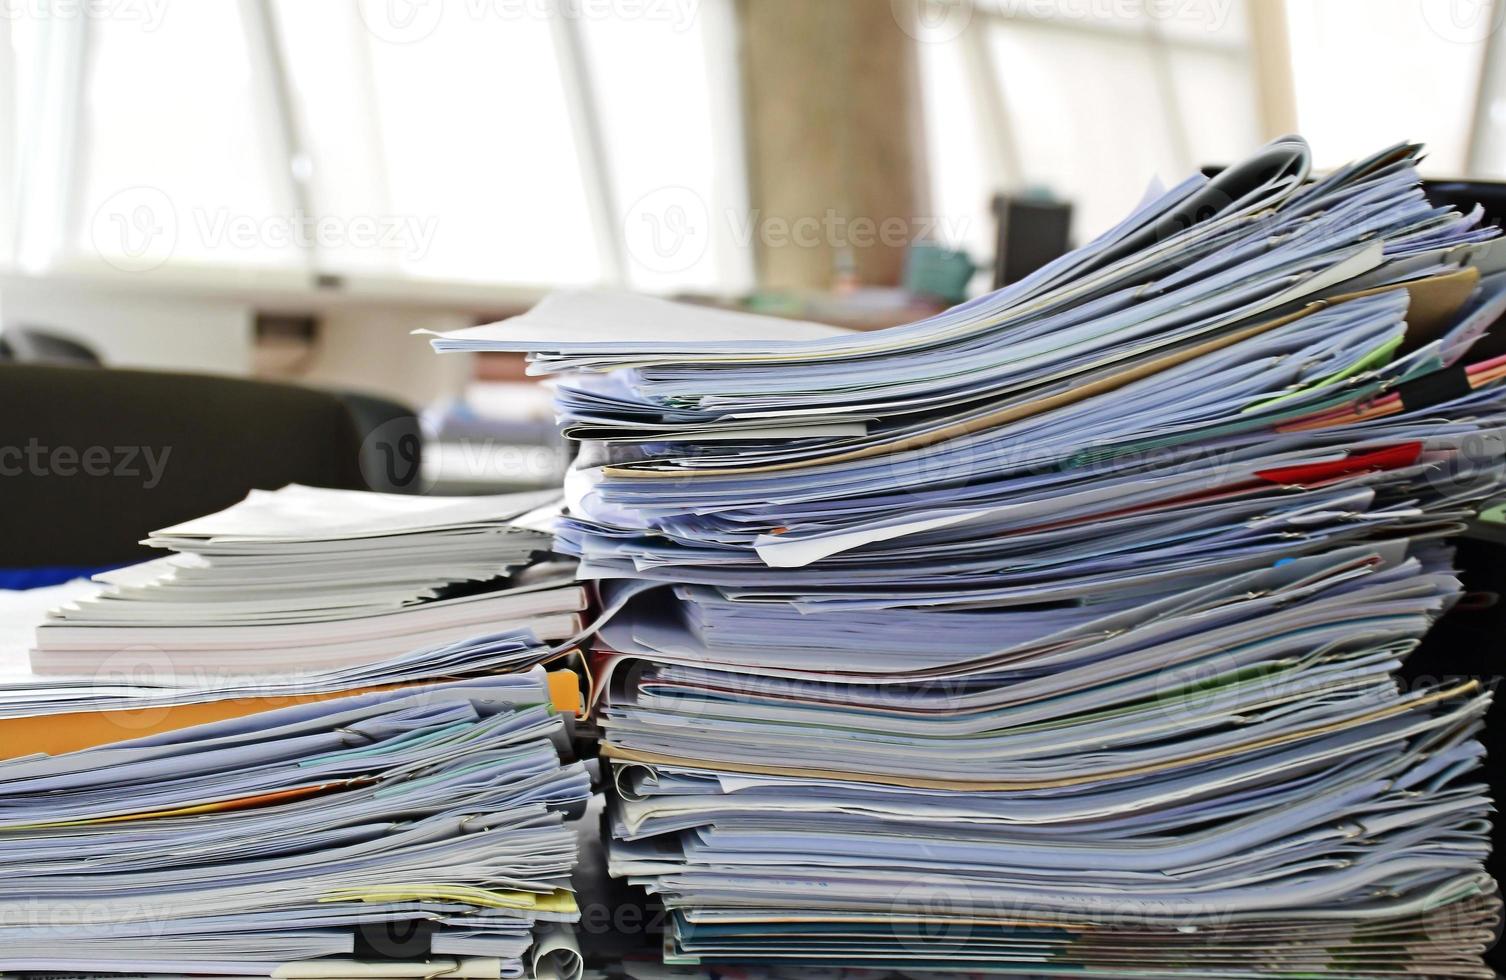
(93, 459)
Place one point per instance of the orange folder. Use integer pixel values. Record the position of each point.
(72, 731)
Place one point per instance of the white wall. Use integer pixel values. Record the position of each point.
(372, 350)
(131, 328)
(207, 323)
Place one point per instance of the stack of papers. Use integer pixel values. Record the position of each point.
(145, 679)
(312, 580)
(1057, 632)
(304, 841)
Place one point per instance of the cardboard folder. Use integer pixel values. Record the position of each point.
(58, 733)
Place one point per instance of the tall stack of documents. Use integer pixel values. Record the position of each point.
(316, 840)
(1057, 632)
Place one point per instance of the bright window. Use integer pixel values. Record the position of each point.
(1083, 102)
(174, 153)
(1370, 73)
(521, 142)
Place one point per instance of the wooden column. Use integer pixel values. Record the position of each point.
(1272, 51)
(832, 123)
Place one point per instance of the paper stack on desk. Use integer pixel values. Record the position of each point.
(1058, 632)
(305, 579)
(379, 784)
(350, 829)
(296, 595)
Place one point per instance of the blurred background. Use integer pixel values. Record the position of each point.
(282, 190)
